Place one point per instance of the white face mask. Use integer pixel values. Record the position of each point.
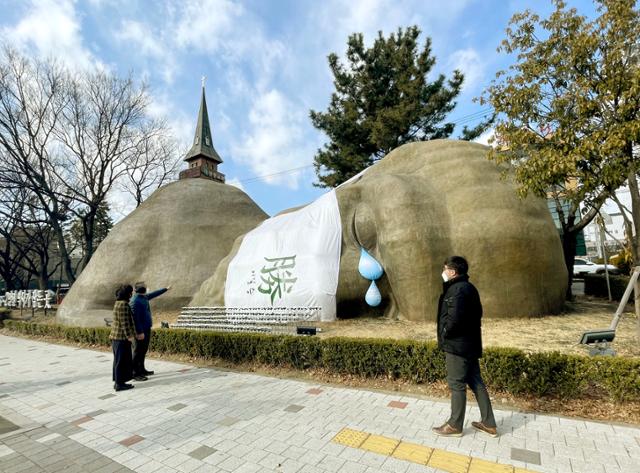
(445, 277)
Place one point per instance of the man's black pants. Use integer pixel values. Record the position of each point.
(460, 373)
(140, 348)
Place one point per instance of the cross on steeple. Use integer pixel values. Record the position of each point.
(203, 158)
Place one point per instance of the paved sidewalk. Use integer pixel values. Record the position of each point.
(58, 412)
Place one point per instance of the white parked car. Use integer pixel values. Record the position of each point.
(583, 266)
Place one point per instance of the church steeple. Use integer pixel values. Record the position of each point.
(203, 158)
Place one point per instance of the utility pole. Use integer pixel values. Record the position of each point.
(601, 225)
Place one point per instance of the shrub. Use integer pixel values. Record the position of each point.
(619, 377)
(507, 369)
(596, 285)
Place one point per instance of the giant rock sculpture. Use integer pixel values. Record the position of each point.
(421, 203)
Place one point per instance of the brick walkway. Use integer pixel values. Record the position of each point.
(58, 412)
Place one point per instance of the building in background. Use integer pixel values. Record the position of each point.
(614, 236)
(581, 249)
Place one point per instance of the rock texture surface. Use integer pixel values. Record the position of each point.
(426, 201)
(176, 237)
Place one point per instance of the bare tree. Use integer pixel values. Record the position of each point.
(71, 138)
(37, 238)
(155, 163)
(102, 129)
(32, 97)
(10, 255)
(27, 236)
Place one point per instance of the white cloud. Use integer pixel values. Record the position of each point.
(236, 84)
(233, 33)
(52, 28)
(142, 38)
(340, 18)
(332, 21)
(163, 107)
(468, 61)
(357, 16)
(185, 28)
(223, 124)
(365, 16)
(121, 204)
(104, 3)
(276, 141)
(235, 183)
(223, 30)
(203, 24)
(484, 138)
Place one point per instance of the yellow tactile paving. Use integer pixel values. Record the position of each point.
(380, 444)
(412, 452)
(415, 453)
(351, 438)
(483, 466)
(449, 461)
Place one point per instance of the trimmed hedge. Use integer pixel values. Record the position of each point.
(596, 285)
(507, 369)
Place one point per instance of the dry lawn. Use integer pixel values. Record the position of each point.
(546, 333)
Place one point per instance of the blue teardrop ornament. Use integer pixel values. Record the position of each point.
(368, 266)
(373, 296)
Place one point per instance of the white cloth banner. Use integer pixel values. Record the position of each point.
(291, 260)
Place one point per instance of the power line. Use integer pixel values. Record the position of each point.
(473, 116)
(286, 171)
(459, 121)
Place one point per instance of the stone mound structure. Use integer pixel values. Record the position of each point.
(176, 237)
(423, 202)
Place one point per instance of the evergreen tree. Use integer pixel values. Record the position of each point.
(382, 100)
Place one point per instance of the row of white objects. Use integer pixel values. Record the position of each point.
(29, 299)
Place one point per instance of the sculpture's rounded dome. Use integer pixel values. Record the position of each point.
(176, 237)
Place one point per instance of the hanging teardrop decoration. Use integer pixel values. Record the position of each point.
(368, 266)
(373, 296)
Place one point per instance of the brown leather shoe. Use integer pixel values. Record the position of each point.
(483, 428)
(445, 430)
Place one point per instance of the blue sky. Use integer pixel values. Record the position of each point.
(265, 63)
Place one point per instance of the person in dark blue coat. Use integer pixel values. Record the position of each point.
(460, 337)
(143, 322)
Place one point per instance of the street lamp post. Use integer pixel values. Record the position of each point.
(60, 277)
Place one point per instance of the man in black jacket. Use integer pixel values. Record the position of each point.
(459, 336)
